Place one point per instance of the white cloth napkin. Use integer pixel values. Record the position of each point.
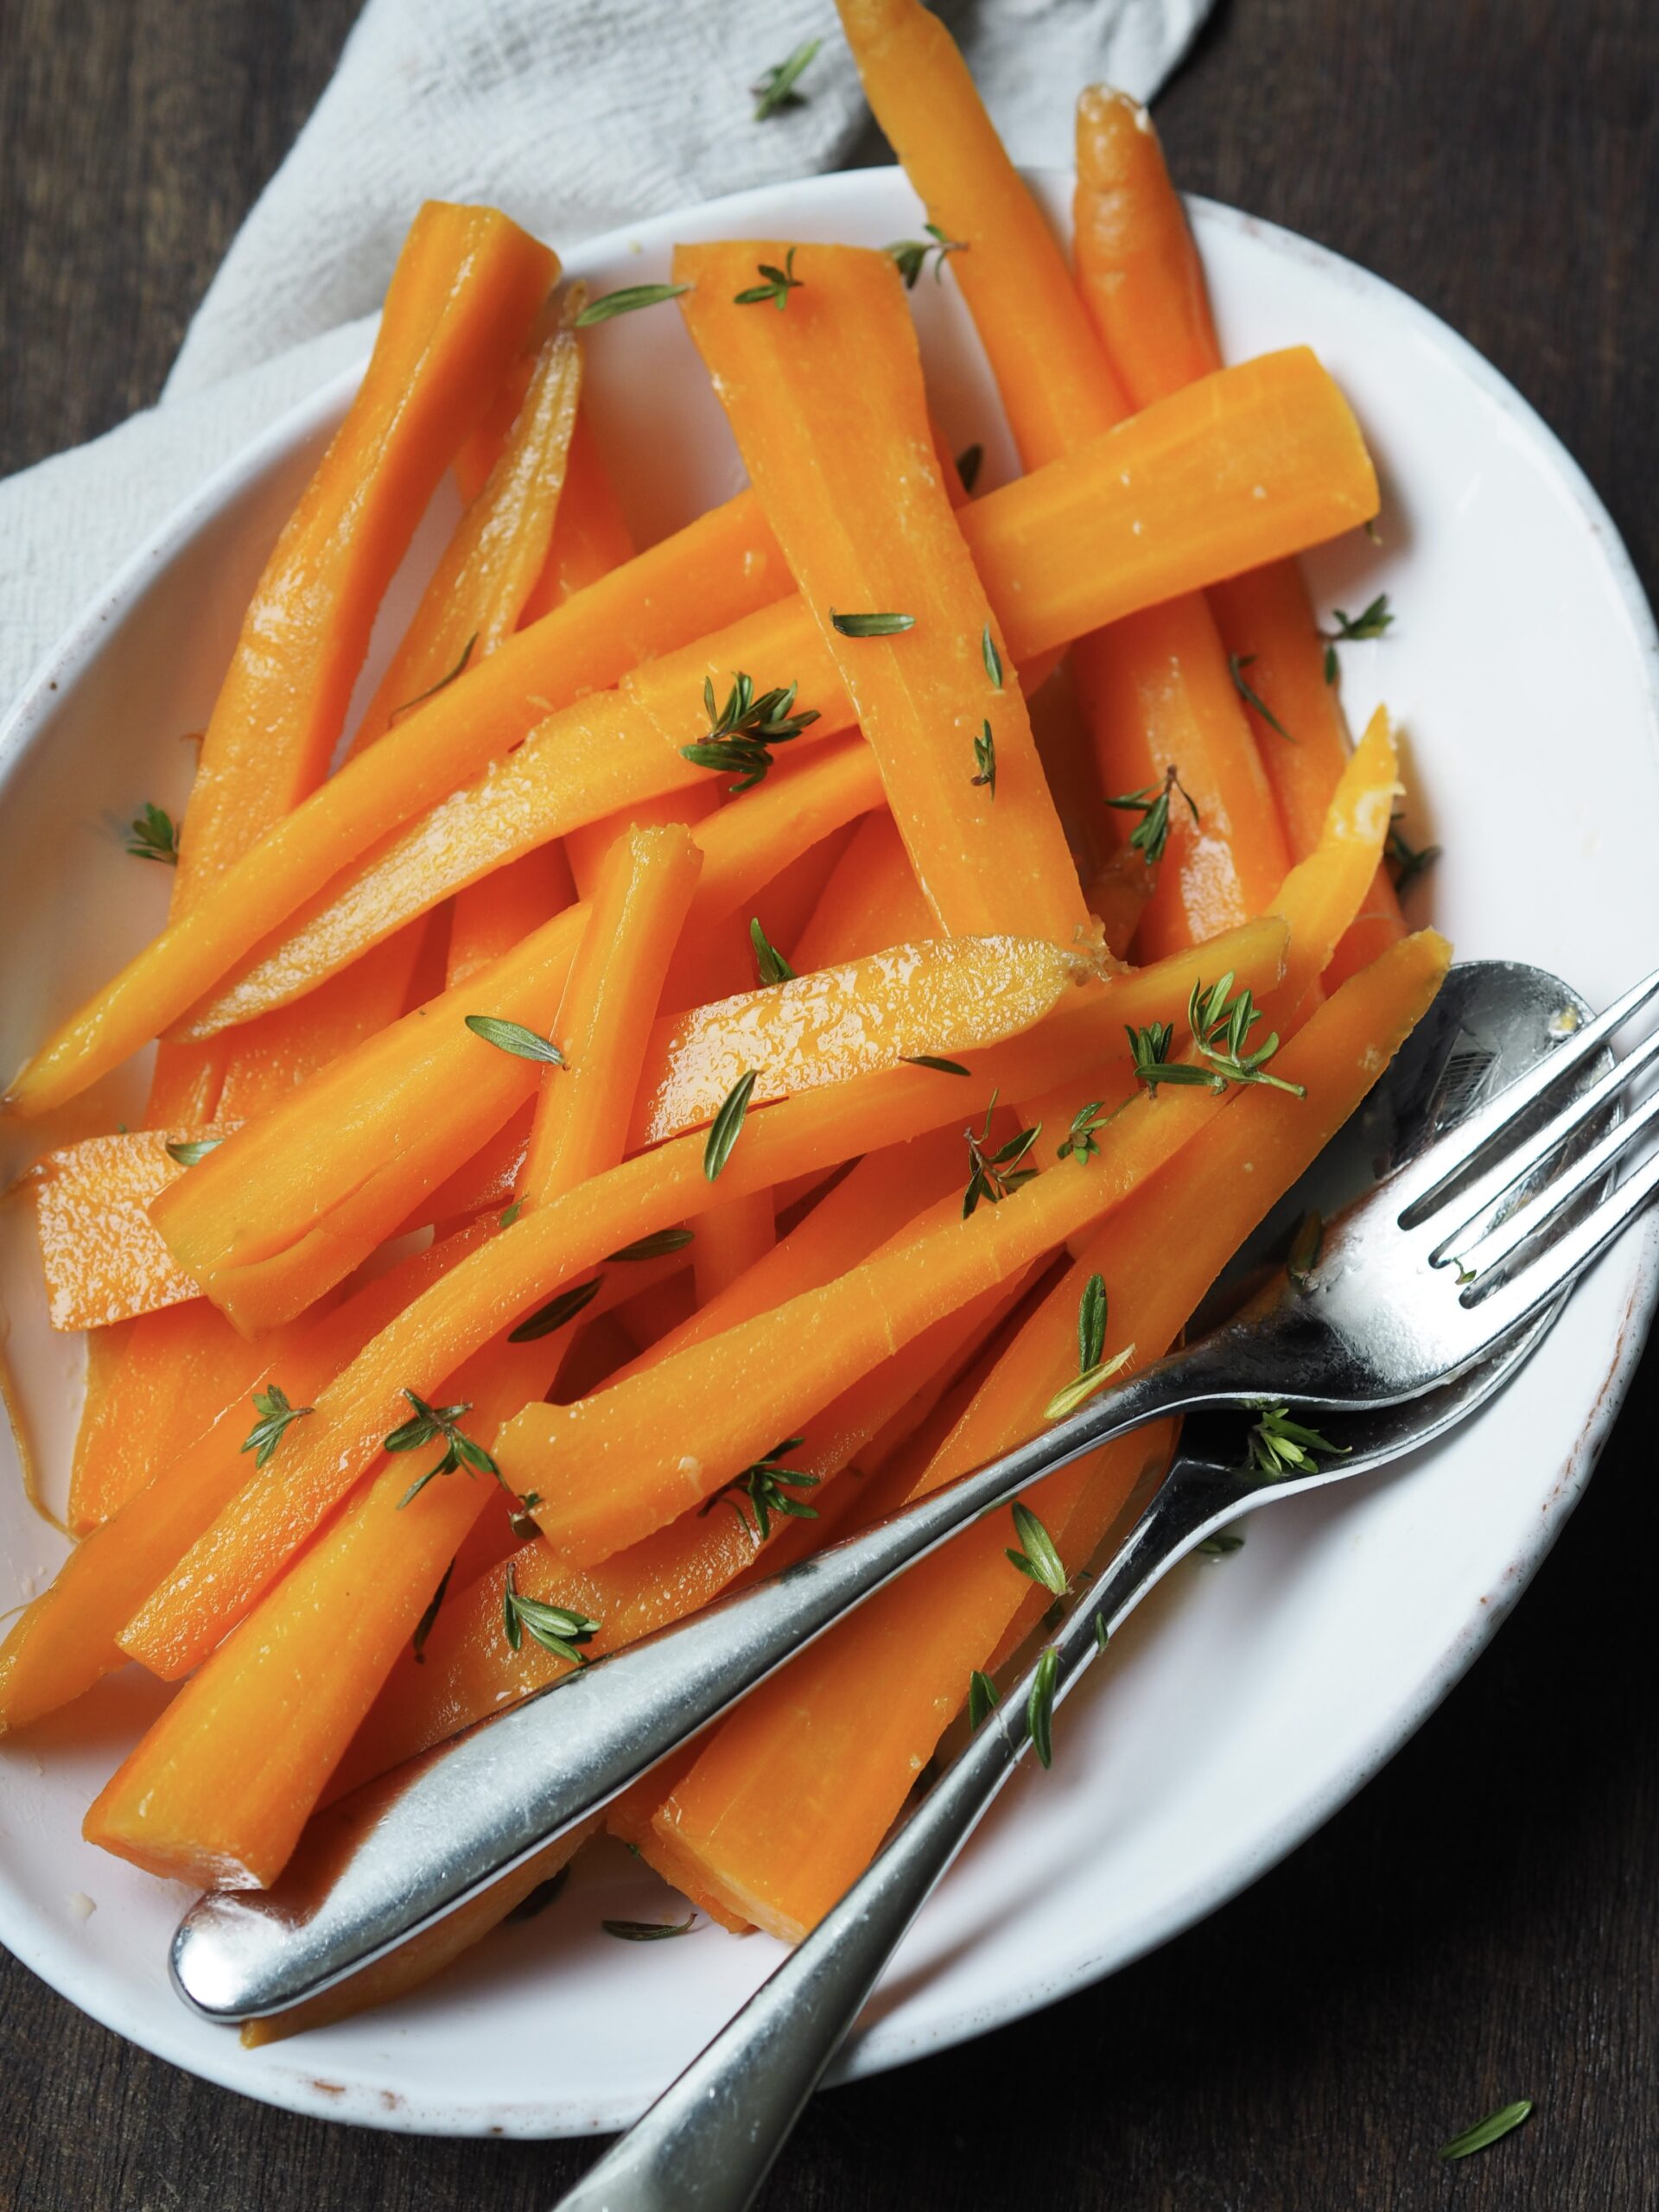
(572, 115)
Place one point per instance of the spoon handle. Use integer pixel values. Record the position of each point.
(709, 2140)
(473, 1808)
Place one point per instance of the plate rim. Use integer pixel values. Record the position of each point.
(296, 2088)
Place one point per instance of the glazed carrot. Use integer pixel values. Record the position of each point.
(827, 408)
(871, 900)
(65, 1640)
(106, 1351)
(943, 996)
(1140, 275)
(1166, 502)
(218, 1788)
(732, 1240)
(320, 1180)
(1058, 391)
(492, 915)
(548, 1247)
(466, 288)
(604, 1026)
(102, 1260)
(794, 1792)
(593, 537)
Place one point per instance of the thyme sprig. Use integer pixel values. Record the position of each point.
(871, 626)
(1281, 1447)
(428, 1425)
(779, 284)
(627, 301)
(983, 1700)
(1220, 1024)
(189, 1150)
(435, 1606)
(1371, 622)
(985, 760)
(154, 835)
(769, 964)
(1039, 1705)
(557, 1628)
(767, 1486)
(276, 1415)
(1491, 2130)
(1237, 664)
(1150, 834)
(1406, 861)
(1079, 1142)
(989, 655)
(556, 1312)
(742, 733)
(649, 1931)
(774, 89)
(909, 255)
(727, 1124)
(1094, 1369)
(994, 1176)
(444, 681)
(513, 1036)
(939, 1065)
(1038, 1558)
(657, 1245)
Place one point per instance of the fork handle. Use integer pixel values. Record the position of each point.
(708, 2142)
(471, 1809)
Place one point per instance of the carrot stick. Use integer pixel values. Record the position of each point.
(795, 1790)
(1140, 275)
(604, 1026)
(593, 537)
(1061, 552)
(734, 1239)
(462, 298)
(871, 900)
(499, 912)
(106, 1352)
(827, 408)
(547, 1247)
(1058, 391)
(102, 1261)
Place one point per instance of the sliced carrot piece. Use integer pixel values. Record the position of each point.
(547, 1247)
(732, 1239)
(604, 1026)
(106, 1351)
(871, 900)
(830, 414)
(795, 1790)
(1166, 502)
(103, 1260)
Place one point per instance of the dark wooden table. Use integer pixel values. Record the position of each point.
(1479, 1924)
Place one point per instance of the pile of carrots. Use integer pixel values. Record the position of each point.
(722, 953)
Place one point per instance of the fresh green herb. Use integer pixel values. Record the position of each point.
(1372, 623)
(992, 658)
(1221, 1546)
(1091, 1324)
(510, 1214)
(557, 1628)
(1407, 862)
(1304, 1254)
(1102, 1634)
(1039, 1705)
(871, 626)
(911, 254)
(1281, 1447)
(427, 1426)
(423, 1626)
(1237, 664)
(994, 1176)
(766, 1485)
(728, 1125)
(657, 1245)
(625, 301)
(649, 1931)
(556, 1312)
(1220, 1026)
(1488, 2130)
(154, 835)
(779, 284)
(1079, 1142)
(774, 90)
(442, 683)
(1039, 1558)
(540, 1897)
(1372, 532)
(970, 461)
(189, 1150)
(1065, 1402)
(742, 733)
(513, 1036)
(1150, 834)
(932, 1060)
(985, 760)
(521, 1519)
(770, 963)
(981, 1698)
(276, 1414)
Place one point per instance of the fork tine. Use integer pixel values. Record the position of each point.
(1541, 1269)
(1432, 1176)
(1488, 1253)
(1473, 1200)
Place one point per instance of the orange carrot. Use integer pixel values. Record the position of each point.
(795, 1790)
(1166, 502)
(490, 917)
(604, 1026)
(732, 1239)
(827, 408)
(1142, 279)
(547, 1247)
(462, 298)
(871, 900)
(102, 1260)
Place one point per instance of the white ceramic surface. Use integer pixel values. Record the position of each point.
(1522, 639)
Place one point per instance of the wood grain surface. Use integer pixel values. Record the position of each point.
(1479, 1924)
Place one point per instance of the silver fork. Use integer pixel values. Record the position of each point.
(1414, 1285)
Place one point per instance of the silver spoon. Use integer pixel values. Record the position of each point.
(709, 2140)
